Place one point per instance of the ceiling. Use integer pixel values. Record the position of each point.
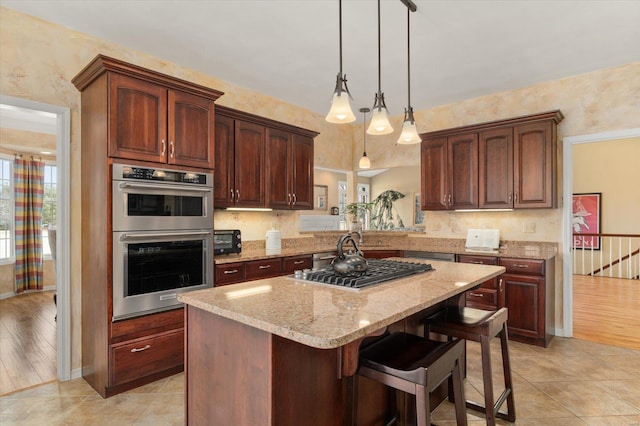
(288, 49)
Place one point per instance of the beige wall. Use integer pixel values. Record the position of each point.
(404, 179)
(612, 169)
(38, 61)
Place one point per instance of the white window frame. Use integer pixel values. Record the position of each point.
(12, 235)
(46, 250)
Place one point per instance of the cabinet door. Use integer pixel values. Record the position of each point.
(302, 172)
(191, 130)
(462, 171)
(534, 165)
(137, 119)
(258, 269)
(279, 171)
(249, 165)
(525, 298)
(292, 263)
(223, 181)
(495, 168)
(490, 295)
(433, 166)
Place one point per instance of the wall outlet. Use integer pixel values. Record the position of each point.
(529, 227)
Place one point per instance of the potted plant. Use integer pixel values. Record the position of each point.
(382, 211)
(358, 213)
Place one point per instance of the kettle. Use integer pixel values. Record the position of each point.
(349, 265)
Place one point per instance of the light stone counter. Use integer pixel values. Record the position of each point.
(324, 316)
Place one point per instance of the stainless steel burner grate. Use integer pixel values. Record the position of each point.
(380, 270)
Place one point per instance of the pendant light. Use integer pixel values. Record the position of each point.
(409, 133)
(364, 163)
(340, 111)
(379, 121)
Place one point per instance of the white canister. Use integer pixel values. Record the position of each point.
(273, 241)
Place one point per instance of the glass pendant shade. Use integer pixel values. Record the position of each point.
(379, 122)
(364, 163)
(340, 111)
(409, 133)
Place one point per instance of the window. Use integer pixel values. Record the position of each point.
(7, 222)
(6, 210)
(48, 207)
(342, 203)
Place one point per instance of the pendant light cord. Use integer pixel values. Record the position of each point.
(340, 32)
(408, 58)
(379, 62)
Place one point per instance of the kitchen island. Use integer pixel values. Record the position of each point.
(278, 351)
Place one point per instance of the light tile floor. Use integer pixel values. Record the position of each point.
(572, 382)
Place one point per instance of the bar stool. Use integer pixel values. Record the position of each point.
(481, 326)
(417, 366)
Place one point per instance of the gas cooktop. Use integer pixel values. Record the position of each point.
(380, 270)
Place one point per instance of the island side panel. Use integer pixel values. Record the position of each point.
(228, 371)
(307, 390)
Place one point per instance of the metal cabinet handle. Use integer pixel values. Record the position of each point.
(237, 195)
(298, 262)
(476, 294)
(264, 266)
(172, 149)
(140, 349)
(510, 198)
(231, 271)
(477, 262)
(295, 200)
(450, 202)
(519, 265)
(515, 197)
(500, 285)
(231, 195)
(164, 148)
(444, 199)
(289, 198)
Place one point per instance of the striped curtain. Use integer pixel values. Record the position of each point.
(28, 176)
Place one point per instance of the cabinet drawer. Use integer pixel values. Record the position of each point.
(293, 263)
(522, 266)
(482, 298)
(138, 358)
(257, 269)
(229, 273)
(477, 259)
(147, 325)
(382, 254)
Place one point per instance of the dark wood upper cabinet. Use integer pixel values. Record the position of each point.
(502, 164)
(262, 163)
(191, 130)
(433, 166)
(534, 165)
(450, 172)
(149, 122)
(462, 171)
(289, 170)
(496, 168)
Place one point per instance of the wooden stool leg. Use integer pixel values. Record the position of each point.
(458, 393)
(485, 346)
(423, 410)
(506, 369)
(352, 397)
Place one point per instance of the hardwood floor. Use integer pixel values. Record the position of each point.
(605, 310)
(27, 341)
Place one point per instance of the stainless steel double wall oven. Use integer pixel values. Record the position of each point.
(162, 237)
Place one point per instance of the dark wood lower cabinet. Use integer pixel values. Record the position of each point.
(530, 297)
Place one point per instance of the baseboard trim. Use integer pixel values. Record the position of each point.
(13, 293)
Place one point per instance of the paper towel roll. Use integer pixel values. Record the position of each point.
(273, 241)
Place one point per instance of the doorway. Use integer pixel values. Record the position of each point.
(62, 224)
(567, 229)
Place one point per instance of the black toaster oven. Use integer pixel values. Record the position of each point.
(227, 241)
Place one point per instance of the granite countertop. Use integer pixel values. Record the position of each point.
(326, 317)
(326, 242)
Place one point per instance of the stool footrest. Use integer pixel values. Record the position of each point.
(496, 407)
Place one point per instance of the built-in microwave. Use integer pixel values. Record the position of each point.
(150, 198)
(227, 241)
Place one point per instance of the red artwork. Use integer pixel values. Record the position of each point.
(586, 220)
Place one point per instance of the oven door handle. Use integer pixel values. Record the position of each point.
(163, 187)
(132, 236)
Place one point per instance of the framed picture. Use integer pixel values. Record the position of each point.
(586, 220)
(322, 202)
(320, 195)
(418, 215)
